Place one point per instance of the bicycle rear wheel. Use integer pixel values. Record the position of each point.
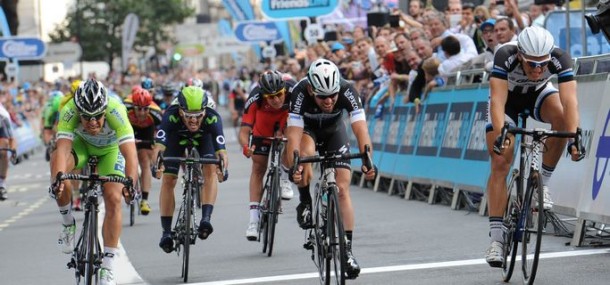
(132, 206)
(533, 223)
(335, 237)
(274, 204)
(511, 242)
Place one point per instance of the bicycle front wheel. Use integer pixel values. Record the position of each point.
(274, 205)
(532, 220)
(511, 242)
(335, 237)
(89, 246)
(187, 231)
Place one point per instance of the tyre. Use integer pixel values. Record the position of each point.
(335, 236)
(533, 224)
(511, 214)
(274, 206)
(89, 247)
(187, 231)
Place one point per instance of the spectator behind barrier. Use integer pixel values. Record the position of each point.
(484, 60)
(433, 78)
(451, 49)
(417, 78)
(504, 29)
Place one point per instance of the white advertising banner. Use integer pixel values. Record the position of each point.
(595, 195)
(130, 29)
(569, 178)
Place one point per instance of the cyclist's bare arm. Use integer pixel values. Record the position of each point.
(498, 98)
(362, 136)
(567, 95)
(129, 152)
(294, 134)
(62, 155)
(156, 150)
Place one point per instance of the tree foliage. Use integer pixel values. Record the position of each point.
(99, 25)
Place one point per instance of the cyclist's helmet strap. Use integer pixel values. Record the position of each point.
(535, 41)
(91, 97)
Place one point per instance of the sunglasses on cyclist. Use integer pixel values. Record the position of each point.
(535, 64)
(325, 96)
(276, 94)
(94, 117)
(137, 108)
(191, 115)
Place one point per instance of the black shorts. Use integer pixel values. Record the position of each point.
(331, 139)
(145, 136)
(261, 147)
(177, 145)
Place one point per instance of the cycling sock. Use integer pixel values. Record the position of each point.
(304, 195)
(66, 214)
(348, 235)
(144, 195)
(206, 212)
(254, 212)
(496, 230)
(546, 172)
(166, 224)
(284, 174)
(109, 257)
(2, 182)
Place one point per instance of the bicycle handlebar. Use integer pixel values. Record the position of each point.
(538, 134)
(94, 177)
(365, 156)
(202, 160)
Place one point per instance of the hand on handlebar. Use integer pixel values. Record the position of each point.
(575, 153)
(248, 151)
(14, 156)
(296, 176)
(369, 174)
(56, 189)
(499, 146)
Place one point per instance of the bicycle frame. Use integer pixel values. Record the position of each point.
(185, 230)
(87, 255)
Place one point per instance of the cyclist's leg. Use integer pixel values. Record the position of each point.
(79, 154)
(209, 189)
(111, 163)
(167, 201)
(259, 167)
(308, 147)
(6, 139)
(550, 110)
(144, 158)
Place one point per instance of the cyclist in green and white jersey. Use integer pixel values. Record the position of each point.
(94, 124)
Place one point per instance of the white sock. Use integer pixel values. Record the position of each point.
(2, 182)
(110, 257)
(66, 215)
(254, 208)
(546, 172)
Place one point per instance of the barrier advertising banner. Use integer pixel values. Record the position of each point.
(292, 9)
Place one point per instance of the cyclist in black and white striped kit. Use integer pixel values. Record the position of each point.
(520, 81)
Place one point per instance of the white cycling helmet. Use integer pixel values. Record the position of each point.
(324, 77)
(535, 41)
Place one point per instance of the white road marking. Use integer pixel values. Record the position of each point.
(406, 267)
(23, 213)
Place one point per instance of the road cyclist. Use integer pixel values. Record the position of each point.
(94, 124)
(315, 123)
(8, 143)
(266, 108)
(520, 81)
(189, 120)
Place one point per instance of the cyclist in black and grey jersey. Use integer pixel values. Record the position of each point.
(520, 81)
(317, 103)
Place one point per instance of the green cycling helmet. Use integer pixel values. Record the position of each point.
(192, 99)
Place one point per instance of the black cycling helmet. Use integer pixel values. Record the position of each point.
(91, 98)
(271, 82)
(168, 89)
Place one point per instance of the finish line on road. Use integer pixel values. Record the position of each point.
(373, 270)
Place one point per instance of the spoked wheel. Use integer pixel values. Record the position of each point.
(511, 215)
(187, 232)
(88, 248)
(274, 204)
(533, 223)
(264, 219)
(335, 239)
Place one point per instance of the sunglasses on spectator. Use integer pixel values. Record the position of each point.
(535, 64)
(93, 117)
(325, 96)
(271, 95)
(189, 115)
(138, 108)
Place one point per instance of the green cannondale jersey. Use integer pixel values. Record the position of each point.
(116, 129)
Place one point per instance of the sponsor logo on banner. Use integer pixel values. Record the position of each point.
(257, 32)
(476, 149)
(397, 123)
(22, 48)
(456, 134)
(602, 159)
(282, 9)
(408, 137)
(432, 129)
